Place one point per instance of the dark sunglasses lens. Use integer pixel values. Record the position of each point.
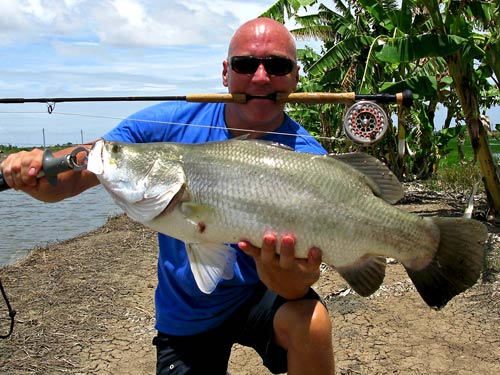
(278, 66)
(244, 65)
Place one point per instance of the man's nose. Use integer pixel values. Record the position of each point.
(261, 73)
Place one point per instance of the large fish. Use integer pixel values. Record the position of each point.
(218, 193)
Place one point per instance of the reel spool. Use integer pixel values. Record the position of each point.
(365, 123)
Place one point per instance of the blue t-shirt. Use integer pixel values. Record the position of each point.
(181, 308)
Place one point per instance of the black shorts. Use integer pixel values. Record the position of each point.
(209, 352)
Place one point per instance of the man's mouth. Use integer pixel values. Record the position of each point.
(268, 96)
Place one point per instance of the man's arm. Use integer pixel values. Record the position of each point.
(20, 172)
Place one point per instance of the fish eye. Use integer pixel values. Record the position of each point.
(116, 149)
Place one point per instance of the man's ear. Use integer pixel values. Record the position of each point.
(225, 68)
(297, 75)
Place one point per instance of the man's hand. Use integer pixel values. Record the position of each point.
(282, 273)
(20, 171)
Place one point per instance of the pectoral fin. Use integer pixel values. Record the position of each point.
(211, 263)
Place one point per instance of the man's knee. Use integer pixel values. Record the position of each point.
(302, 321)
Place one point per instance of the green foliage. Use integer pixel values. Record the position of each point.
(446, 137)
(455, 173)
(277, 10)
(373, 46)
(421, 85)
(411, 48)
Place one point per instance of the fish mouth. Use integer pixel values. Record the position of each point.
(94, 159)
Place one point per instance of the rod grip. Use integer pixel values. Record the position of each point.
(51, 167)
(217, 98)
(3, 184)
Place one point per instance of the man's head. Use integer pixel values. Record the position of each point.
(262, 60)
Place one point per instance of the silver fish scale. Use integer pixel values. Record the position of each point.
(323, 203)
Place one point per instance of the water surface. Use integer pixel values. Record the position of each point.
(26, 223)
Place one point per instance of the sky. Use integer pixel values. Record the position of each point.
(79, 48)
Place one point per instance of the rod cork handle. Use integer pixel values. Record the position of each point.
(217, 98)
(317, 97)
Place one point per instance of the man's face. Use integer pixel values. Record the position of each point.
(261, 42)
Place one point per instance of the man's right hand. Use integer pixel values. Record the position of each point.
(21, 172)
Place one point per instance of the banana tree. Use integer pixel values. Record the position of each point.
(476, 22)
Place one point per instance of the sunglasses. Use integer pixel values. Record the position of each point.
(274, 65)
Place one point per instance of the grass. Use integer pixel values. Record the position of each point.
(459, 178)
(460, 175)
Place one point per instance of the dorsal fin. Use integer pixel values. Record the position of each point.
(381, 180)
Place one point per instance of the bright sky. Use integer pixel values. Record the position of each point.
(73, 48)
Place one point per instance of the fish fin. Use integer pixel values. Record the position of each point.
(162, 183)
(211, 263)
(457, 263)
(381, 180)
(366, 275)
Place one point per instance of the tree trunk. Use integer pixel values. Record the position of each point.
(468, 96)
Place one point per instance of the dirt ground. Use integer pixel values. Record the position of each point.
(85, 306)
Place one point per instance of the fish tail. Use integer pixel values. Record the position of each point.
(457, 263)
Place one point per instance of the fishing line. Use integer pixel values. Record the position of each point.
(118, 118)
(12, 312)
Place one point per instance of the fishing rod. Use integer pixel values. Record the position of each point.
(404, 98)
(12, 312)
(365, 122)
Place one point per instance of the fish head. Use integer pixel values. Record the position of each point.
(142, 178)
(115, 165)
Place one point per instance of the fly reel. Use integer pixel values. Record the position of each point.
(365, 123)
